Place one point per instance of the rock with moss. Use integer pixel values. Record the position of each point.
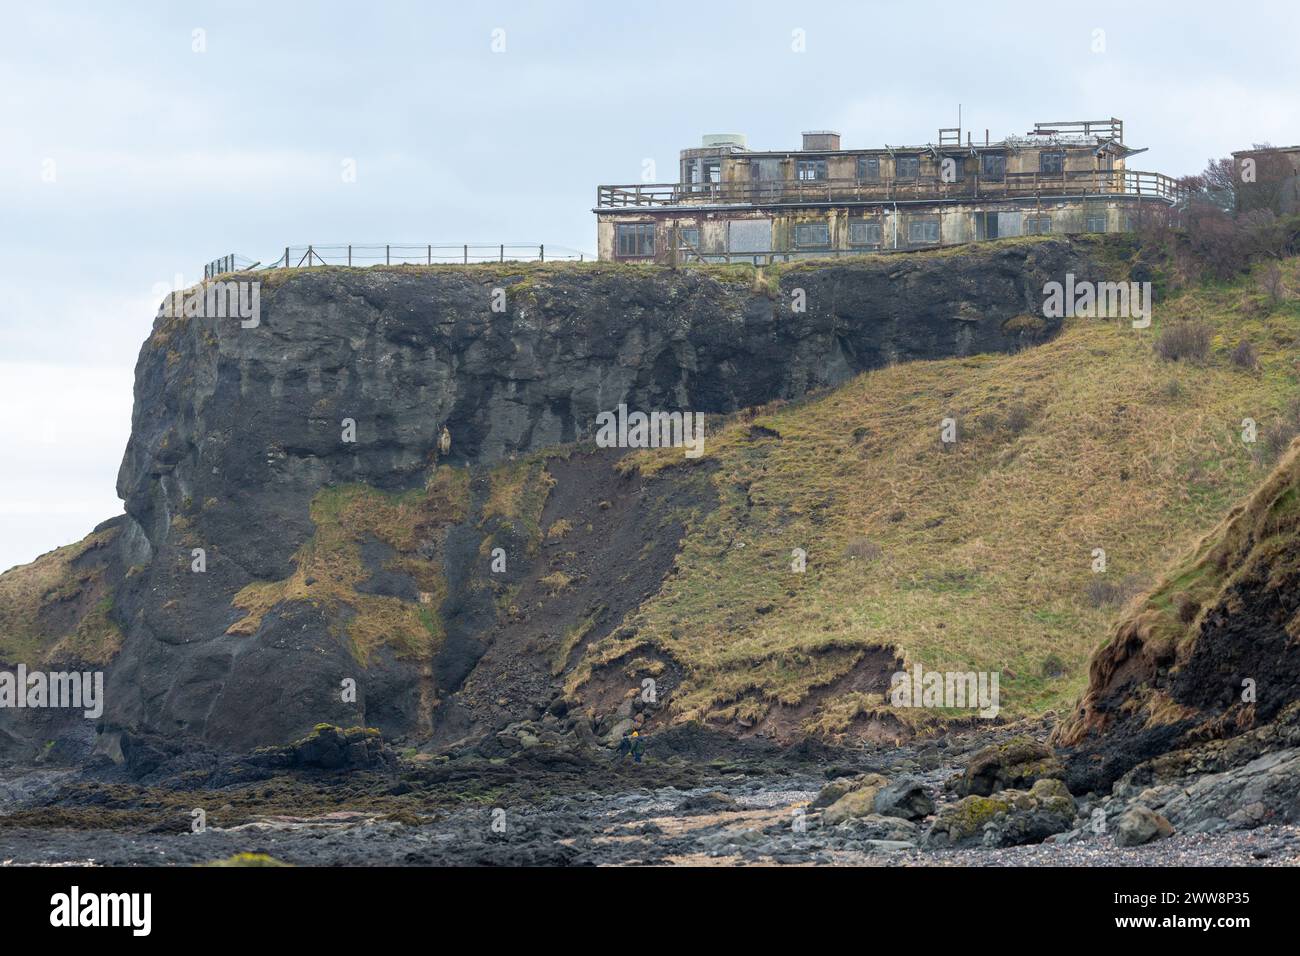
(1008, 818)
(329, 747)
(1016, 763)
(248, 859)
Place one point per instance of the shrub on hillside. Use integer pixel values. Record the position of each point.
(1272, 284)
(1277, 434)
(1184, 341)
(1244, 356)
(1105, 592)
(863, 549)
(1216, 241)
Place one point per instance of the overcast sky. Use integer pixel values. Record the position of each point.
(133, 149)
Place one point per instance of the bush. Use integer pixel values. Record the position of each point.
(1271, 284)
(1277, 434)
(1103, 592)
(1216, 242)
(864, 549)
(1188, 341)
(1244, 356)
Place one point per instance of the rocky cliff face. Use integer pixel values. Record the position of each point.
(328, 560)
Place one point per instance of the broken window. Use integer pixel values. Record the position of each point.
(989, 225)
(907, 167)
(810, 169)
(1038, 225)
(1051, 161)
(689, 236)
(993, 167)
(868, 169)
(713, 171)
(921, 231)
(812, 235)
(634, 238)
(864, 232)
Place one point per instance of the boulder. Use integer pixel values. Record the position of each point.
(859, 801)
(905, 798)
(1008, 818)
(1138, 825)
(876, 827)
(1017, 763)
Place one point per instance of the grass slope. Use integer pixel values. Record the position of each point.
(975, 557)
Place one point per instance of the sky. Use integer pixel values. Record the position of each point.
(141, 140)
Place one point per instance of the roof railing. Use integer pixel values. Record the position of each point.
(1100, 182)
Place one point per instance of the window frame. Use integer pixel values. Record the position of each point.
(640, 230)
(863, 169)
(869, 224)
(926, 223)
(816, 164)
(914, 160)
(822, 224)
(1043, 169)
(1089, 219)
(1038, 220)
(1001, 161)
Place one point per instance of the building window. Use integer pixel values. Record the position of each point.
(713, 170)
(689, 236)
(988, 224)
(920, 231)
(864, 233)
(993, 167)
(1051, 161)
(809, 169)
(952, 169)
(1038, 225)
(812, 235)
(907, 167)
(868, 169)
(634, 239)
(1096, 222)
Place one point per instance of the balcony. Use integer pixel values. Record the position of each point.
(1117, 183)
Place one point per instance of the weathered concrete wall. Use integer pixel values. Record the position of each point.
(958, 223)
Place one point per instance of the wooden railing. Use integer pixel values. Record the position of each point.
(429, 254)
(1117, 182)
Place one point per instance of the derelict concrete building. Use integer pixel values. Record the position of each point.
(732, 203)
